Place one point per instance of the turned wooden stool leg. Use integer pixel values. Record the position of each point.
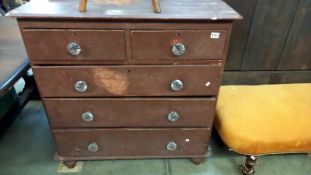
(70, 164)
(82, 5)
(197, 161)
(156, 6)
(248, 168)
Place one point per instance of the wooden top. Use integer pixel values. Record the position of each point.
(128, 10)
(13, 57)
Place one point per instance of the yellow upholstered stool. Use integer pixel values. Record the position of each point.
(265, 119)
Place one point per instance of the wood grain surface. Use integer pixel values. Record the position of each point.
(131, 143)
(130, 112)
(106, 81)
(129, 10)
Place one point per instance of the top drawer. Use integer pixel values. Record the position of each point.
(74, 45)
(178, 44)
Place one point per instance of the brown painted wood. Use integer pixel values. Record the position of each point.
(89, 50)
(150, 45)
(134, 123)
(297, 54)
(197, 161)
(270, 27)
(240, 32)
(122, 24)
(70, 164)
(130, 112)
(51, 45)
(130, 10)
(59, 81)
(131, 143)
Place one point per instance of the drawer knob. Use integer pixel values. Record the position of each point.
(87, 117)
(74, 48)
(93, 147)
(81, 86)
(177, 85)
(178, 49)
(173, 116)
(171, 146)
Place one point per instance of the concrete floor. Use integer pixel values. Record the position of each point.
(27, 149)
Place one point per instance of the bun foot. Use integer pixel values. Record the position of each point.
(70, 164)
(197, 161)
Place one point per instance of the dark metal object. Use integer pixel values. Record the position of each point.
(248, 168)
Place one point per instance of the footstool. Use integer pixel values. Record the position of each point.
(264, 119)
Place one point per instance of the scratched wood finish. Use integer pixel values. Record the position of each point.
(149, 45)
(130, 112)
(59, 81)
(51, 45)
(131, 80)
(42, 41)
(129, 10)
(120, 143)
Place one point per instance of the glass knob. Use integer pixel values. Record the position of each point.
(87, 117)
(93, 147)
(74, 48)
(178, 49)
(81, 86)
(173, 116)
(171, 146)
(177, 85)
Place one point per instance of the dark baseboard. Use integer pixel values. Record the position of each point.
(266, 77)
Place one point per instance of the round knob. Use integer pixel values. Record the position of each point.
(87, 117)
(171, 146)
(74, 48)
(93, 147)
(178, 49)
(177, 85)
(173, 116)
(81, 86)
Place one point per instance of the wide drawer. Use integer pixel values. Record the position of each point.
(74, 45)
(131, 143)
(130, 112)
(98, 81)
(178, 45)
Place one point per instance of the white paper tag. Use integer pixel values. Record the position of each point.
(215, 35)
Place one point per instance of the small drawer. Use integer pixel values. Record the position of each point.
(99, 81)
(130, 112)
(178, 45)
(74, 45)
(129, 143)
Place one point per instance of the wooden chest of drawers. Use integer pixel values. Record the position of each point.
(122, 82)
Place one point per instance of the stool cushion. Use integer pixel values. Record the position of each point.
(265, 119)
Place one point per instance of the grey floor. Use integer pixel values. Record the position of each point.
(27, 149)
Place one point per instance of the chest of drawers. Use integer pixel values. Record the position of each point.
(120, 82)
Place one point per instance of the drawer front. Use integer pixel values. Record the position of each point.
(123, 143)
(179, 45)
(96, 81)
(75, 45)
(137, 112)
